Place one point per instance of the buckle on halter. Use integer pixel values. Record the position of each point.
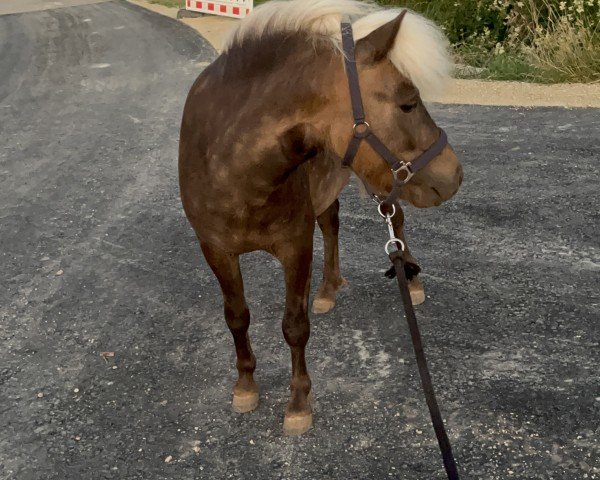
(361, 129)
(406, 169)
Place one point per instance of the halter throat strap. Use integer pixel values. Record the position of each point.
(361, 130)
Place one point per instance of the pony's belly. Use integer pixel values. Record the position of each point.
(245, 228)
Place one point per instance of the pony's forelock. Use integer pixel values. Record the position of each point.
(420, 52)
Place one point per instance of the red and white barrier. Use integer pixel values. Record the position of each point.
(228, 8)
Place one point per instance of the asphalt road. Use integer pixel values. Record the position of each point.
(96, 256)
(20, 6)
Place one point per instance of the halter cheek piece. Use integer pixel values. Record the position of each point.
(402, 171)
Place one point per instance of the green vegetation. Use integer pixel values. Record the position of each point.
(534, 40)
(170, 3)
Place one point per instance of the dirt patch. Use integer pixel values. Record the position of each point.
(212, 28)
(469, 92)
(482, 92)
(166, 11)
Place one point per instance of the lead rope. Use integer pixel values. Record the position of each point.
(397, 260)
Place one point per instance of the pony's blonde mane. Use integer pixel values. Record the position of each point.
(420, 51)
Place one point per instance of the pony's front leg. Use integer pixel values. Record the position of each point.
(329, 223)
(411, 268)
(296, 258)
(227, 270)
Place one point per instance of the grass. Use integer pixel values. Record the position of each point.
(510, 67)
(567, 52)
(170, 3)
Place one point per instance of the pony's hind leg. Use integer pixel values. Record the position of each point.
(227, 270)
(411, 268)
(329, 223)
(296, 258)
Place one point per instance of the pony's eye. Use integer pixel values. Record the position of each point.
(409, 107)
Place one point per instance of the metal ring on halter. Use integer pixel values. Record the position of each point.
(406, 169)
(384, 215)
(391, 241)
(365, 133)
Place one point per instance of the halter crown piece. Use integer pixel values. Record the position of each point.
(402, 171)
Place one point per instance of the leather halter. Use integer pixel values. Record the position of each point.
(402, 171)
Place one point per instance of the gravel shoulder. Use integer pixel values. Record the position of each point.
(521, 94)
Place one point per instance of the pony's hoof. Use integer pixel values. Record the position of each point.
(244, 402)
(325, 299)
(417, 292)
(298, 424)
(322, 305)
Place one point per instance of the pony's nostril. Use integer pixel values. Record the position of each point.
(437, 192)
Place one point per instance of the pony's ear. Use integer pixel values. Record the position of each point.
(300, 143)
(375, 46)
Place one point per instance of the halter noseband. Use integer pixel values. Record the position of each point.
(402, 171)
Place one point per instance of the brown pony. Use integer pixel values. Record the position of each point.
(263, 132)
